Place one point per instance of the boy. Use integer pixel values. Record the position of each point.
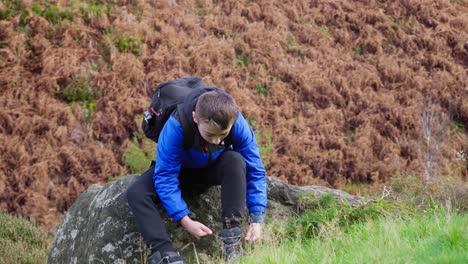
(224, 152)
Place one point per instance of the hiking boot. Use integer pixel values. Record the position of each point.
(232, 244)
(166, 258)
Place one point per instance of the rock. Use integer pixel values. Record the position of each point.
(99, 226)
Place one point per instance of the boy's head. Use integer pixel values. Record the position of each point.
(214, 115)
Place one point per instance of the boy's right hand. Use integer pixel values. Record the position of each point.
(195, 228)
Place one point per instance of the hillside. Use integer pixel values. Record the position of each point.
(338, 92)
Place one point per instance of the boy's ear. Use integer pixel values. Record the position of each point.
(194, 116)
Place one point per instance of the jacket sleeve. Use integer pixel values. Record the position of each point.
(168, 162)
(244, 142)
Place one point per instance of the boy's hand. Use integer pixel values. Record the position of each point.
(254, 232)
(195, 228)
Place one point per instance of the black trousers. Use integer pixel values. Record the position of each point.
(229, 171)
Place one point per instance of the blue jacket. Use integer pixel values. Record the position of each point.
(171, 155)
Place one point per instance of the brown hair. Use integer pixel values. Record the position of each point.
(217, 106)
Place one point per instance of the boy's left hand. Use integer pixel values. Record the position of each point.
(254, 232)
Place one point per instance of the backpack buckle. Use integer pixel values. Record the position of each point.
(147, 115)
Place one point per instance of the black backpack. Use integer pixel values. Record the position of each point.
(165, 100)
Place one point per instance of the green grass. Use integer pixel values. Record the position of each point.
(131, 44)
(139, 153)
(90, 10)
(80, 89)
(381, 232)
(53, 14)
(404, 23)
(252, 122)
(200, 10)
(264, 141)
(21, 241)
(326, 31)
(242, 61)
(292, 42)
(458, 125)
(94, 67)
(265, 145)
(358, 50)
(293, 45)
(327, 231)
(122, 42)
(11, 9)
(262, 89)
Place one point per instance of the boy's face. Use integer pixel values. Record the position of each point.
(211, 131)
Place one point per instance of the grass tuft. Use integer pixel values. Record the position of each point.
(21, 241)
(139, 153)
(242, 61)
(90, 10)
(380, 232)
(265, 145)
(53, 14)
(81, 90)
(358, 50)
(293, 45)
(262, 89)
(123, 43)
(129, 44)
(11, 9)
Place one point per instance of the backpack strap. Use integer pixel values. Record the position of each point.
(188, 128)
